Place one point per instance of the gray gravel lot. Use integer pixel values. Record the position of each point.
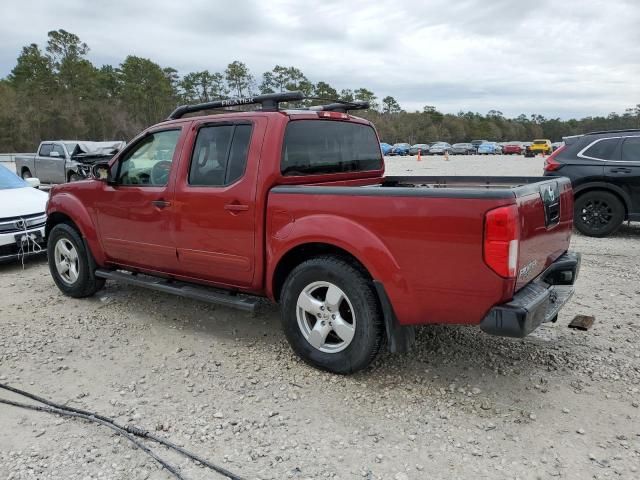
(462, 404)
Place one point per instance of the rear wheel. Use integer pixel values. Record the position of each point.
(26, 174)
(598, 213)
(70, 263)
(74, 177)
(331, 315)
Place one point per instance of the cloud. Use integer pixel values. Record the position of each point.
(570, 58)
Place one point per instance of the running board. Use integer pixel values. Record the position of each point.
(184, 289)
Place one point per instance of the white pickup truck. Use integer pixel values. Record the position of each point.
(65, 160)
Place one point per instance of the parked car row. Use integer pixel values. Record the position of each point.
(480, 147)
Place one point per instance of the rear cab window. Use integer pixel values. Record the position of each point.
(315, 147)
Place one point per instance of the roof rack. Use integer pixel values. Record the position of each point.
(624, 130)
(270, 103)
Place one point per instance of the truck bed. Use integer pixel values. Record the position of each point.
(430, 230)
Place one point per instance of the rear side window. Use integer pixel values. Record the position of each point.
(325, 146)
(220, 155)
(45, 150)
(631, 149)
(602, 149)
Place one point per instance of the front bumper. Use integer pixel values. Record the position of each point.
(538, 302)
(14, 246)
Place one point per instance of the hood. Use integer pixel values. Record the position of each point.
(22, 201)
(90, 152)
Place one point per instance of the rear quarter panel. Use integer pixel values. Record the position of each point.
(427, 251)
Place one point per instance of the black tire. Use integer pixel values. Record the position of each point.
(359, 293)
(74, 177)
(26, 174)
(86, 283)
(598, 213)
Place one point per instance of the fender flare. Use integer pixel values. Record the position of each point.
(70, 206)
(339, 232)
(605, 186)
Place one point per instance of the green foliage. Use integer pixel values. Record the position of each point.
(59, 93)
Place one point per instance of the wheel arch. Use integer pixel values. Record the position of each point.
(605, 187)
(65, 208)
(305, 251)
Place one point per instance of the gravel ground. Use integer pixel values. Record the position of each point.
(558, 404)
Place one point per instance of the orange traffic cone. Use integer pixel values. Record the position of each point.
(419, 155)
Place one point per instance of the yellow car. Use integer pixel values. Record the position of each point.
(541, 146)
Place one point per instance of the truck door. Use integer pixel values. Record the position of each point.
(135, 212)
(216, 201)
(43, 163)
(625, 172)
(56, 164)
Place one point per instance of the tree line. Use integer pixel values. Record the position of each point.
(57, 93)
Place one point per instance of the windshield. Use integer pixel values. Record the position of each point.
(70, 147)
(539, 142)
(325, 146)
(9, 180)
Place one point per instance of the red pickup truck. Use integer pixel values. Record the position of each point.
(293, 205)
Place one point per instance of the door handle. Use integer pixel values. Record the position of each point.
(621, 170)
(236, 207)
(161, 203)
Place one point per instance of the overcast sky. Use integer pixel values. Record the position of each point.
(565, 58)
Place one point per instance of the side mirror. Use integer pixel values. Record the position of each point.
(54, 154)
(102, 172)
(33, 182)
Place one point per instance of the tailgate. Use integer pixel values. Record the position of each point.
(546, 221)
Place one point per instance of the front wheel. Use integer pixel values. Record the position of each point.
(26, 174)
(598, 213)
(331, 316)
(70, 263)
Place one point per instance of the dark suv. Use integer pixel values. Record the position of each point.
(604, 168)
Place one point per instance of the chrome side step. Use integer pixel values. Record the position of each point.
(184, 289)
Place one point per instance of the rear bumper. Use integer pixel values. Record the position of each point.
(538, 302)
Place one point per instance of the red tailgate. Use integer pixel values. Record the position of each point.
(546, 222)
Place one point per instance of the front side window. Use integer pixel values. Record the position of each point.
(59, 150)
(220, 155)
(325, 146)
(149, 161)
(631, 149)
(45, 149)
(602, 149)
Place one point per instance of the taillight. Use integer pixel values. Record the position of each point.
(501, 240)
(551, 164)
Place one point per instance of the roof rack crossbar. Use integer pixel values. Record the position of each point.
(268, 101)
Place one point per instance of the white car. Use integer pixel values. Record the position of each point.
(22, 216)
